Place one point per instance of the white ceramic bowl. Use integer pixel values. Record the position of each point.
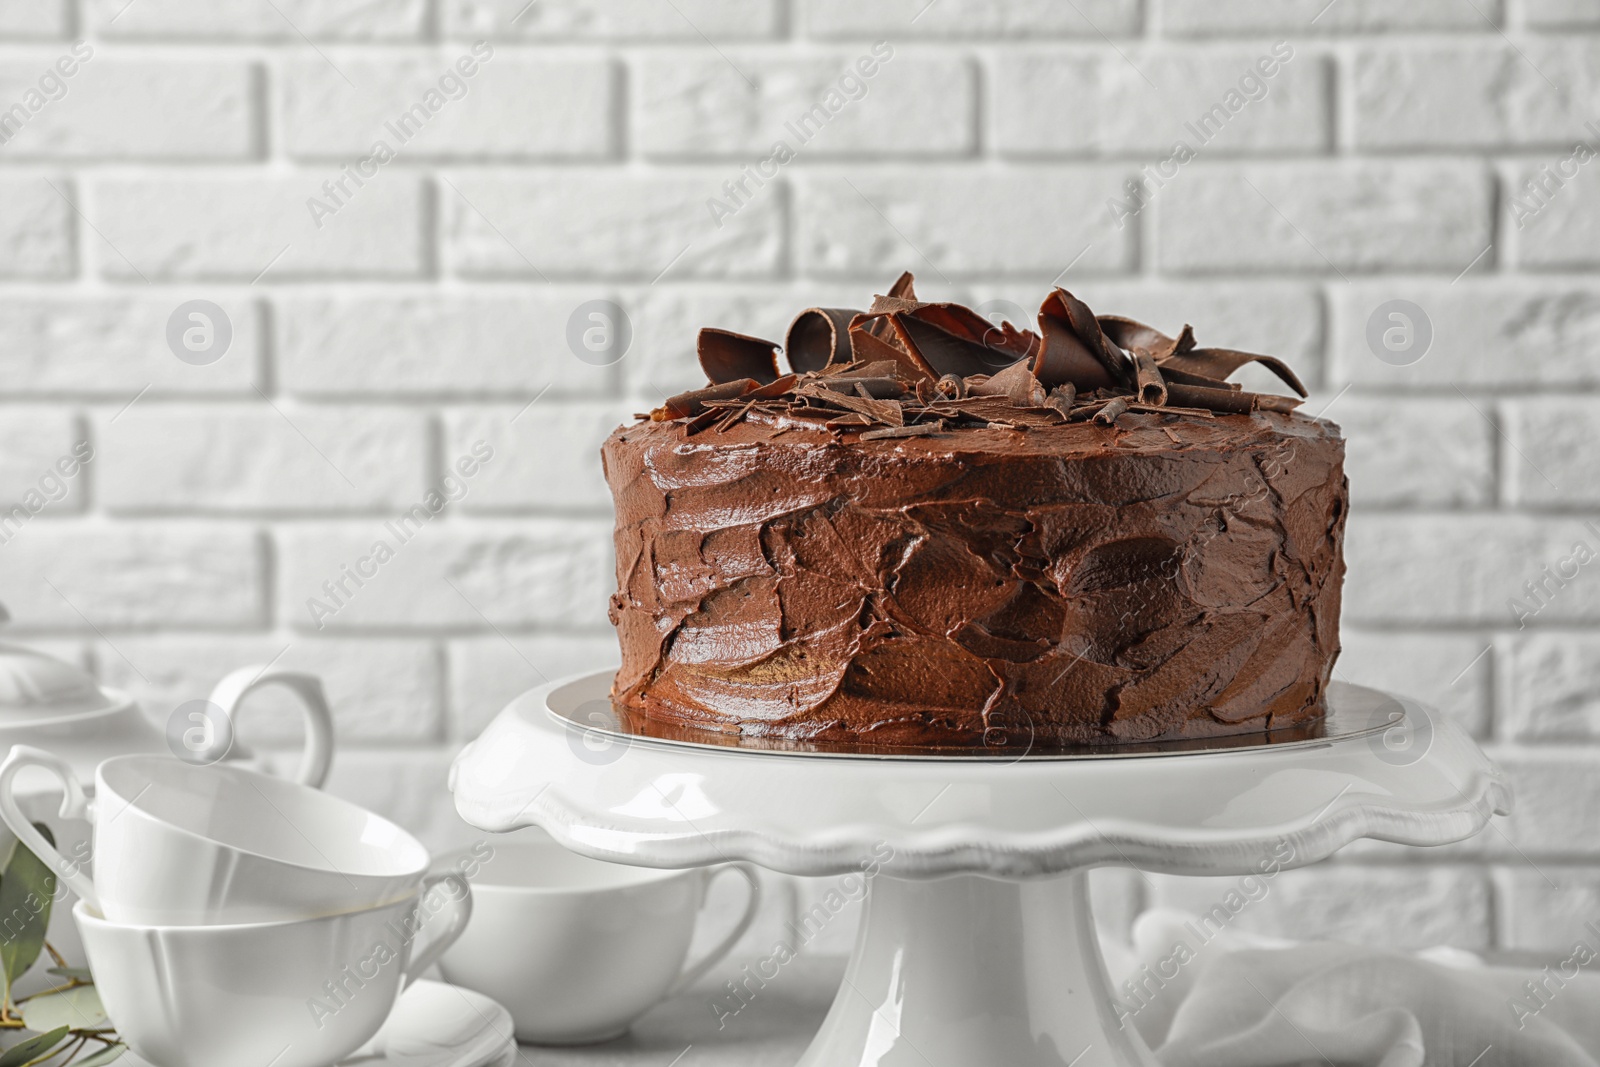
(290, 994)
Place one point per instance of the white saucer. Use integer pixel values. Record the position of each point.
(432, 1025)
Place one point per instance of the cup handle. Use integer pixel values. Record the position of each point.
(460, 915)
(318, 757)
(695, 971)
(74, 805)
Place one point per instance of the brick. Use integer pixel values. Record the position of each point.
(260, 20)
(242, 227)
(1552, 685)
(36, 228)
(593, 223)
(1285, 320)
(1414, 452)
(487, 673)
(32, 442)
(420, 106)
(747, 103)
(1475, 94)
(1551, 910)
(667, 318)
(546, 460)
(550, 572)
(1462, 568)
(133, 574)
(1558, 228)
(1556, 796)
(1323, 216)
(1552, 438)
(260, 458)
(1390, 907)
(44, 18)
(391, 345)
(95, 346)
(130, 109)
(613, 20)
(1208, 101)
(1035, 219)
(1445, 671)
(965, 19)
(1551, 14)
(1489, 333)
(381, 691)
(1205, 18)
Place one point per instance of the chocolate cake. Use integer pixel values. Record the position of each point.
(934, 531)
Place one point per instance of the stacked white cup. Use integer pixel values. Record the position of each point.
(234, 918)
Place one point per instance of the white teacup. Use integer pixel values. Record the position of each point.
(577, 949)
(290, 994)
(176, 844)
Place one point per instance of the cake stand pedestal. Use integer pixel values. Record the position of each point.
(977, 944)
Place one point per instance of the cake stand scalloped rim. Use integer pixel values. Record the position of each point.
(972, 847)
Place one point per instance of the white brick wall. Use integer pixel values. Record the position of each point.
(429, 310)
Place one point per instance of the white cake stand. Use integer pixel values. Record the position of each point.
(977, 945)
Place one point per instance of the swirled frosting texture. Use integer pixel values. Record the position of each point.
(1159, 576)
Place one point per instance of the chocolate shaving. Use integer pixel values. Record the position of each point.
(868, 347)
(876, 388)
(1222, 362)
(920, 429)
(853, 419)
(1172, 374)
(1067, 352)
(1016, 382)
(1228, 400)
(1152, 387)
(884, 411)
(1114, 408)
(951, 386)
(818, 337)
(727, 357)
(693, 402)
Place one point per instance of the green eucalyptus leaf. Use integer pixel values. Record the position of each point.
(26, 893)
(31, 1049)
(77, 974)
(78, 1008)
(103, 1057)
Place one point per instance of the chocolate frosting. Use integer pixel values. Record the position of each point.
(988, 537)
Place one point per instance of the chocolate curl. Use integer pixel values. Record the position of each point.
(1152, 387)
(694, 401)
(1061, 398)
(1003, 344)
(818, 337)
(951, 387)
(900, 297)
(945, 352)
(1068, 352)
(919, 429)
(1016, 382)
(865, 347)
(1222, 362)
(876, 388)
(727, 357)
(1227, 400)
(1115, 407)
(1172, 374)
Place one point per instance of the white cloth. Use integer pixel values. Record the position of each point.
(1204, 997)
